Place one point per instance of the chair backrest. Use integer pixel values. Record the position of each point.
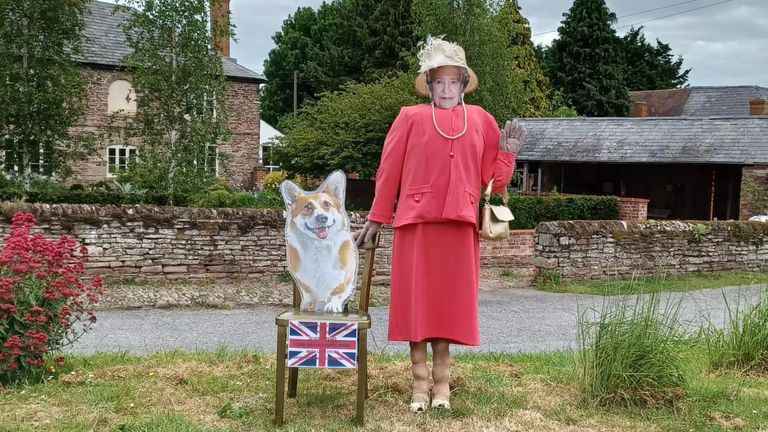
(363, 289)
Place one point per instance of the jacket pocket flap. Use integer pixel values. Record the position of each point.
(410, 190)
(473, 193)
(502, 213)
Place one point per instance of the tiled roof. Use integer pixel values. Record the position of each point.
(105, 43)
(734, 140)
(726, 101)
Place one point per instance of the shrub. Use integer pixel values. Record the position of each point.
(632, 354)
(272, 180)
(530, 210)
(224, 199)
(42, 296)
(744, 343)
(269, 199)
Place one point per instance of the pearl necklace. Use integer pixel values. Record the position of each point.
(434, 122)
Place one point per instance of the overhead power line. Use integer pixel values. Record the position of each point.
(657, 18)
(674, 14)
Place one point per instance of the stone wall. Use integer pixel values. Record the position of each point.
(242, 149)
(178, 242)
(584, 250)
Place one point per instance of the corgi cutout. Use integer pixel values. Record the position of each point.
(322, 256)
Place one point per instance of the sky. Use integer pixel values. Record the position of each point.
(724, 42)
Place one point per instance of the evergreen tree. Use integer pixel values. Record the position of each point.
(43, 91)
(586, 63)
(648, 67)
(181, 95)
(524, 63)
(391, 39)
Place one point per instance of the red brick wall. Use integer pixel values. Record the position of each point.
(242, 150)
(633, 209)
(515, 251)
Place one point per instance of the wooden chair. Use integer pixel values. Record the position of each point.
(360, 316)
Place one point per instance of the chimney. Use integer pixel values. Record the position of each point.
(758, 107)
(639, 109)
(219, 25)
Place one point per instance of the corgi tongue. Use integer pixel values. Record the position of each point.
(322, 232)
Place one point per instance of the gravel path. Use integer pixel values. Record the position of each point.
(511, 320)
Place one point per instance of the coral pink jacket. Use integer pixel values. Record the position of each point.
(435, 179)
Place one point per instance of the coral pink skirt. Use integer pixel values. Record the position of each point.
(434, 288)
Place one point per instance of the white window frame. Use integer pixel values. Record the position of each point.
(39, 164)
(271, 145)
(216, 158)
(117, 148)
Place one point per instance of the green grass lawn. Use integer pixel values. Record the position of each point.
(234, 391)
(661, 283)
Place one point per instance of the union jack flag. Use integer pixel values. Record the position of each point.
(322, 344)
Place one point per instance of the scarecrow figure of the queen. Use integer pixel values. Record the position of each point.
(436, 159)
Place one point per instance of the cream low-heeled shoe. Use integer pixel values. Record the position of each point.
(441, 403)
(418, 403)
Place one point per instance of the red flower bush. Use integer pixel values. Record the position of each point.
(42, 297)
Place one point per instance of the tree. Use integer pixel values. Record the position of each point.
(344, 129)
(586, 65)
(391, 38)
(295, 48)
(647, 67)
(327, 49)
(181, 95)
(493, 38)
(43, 92)
(516, 28)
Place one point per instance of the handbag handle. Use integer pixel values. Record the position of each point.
(504, 195)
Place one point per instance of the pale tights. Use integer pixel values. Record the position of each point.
(441, 364)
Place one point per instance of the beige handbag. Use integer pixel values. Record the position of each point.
(496, 218)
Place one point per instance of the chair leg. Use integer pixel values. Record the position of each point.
(280, 375)
(362, 375)
(293, 381)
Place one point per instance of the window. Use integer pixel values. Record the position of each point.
(118, 158)
(121, 98)
(36, 161)
(212, 159)
(265, 155)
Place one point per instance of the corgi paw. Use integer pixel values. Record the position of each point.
(308, 305)
(334, 305)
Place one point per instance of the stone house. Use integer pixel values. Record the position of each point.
(691, 152)
(104, 48)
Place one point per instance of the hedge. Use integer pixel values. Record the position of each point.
(530, 210)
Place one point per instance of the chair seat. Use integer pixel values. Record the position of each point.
(361, 317)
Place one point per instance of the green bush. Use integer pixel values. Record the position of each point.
(743, 345)
(224, 199)
(269, 199)
(632, 354)
(530, 210)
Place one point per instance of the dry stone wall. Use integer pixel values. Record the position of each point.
(584, 250)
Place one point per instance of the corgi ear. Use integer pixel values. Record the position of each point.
(290, 192)
(336, 185)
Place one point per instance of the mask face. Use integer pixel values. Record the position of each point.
(446, 86)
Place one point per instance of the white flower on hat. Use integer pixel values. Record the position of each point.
(436, 52)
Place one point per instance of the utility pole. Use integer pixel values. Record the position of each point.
(295, 85)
